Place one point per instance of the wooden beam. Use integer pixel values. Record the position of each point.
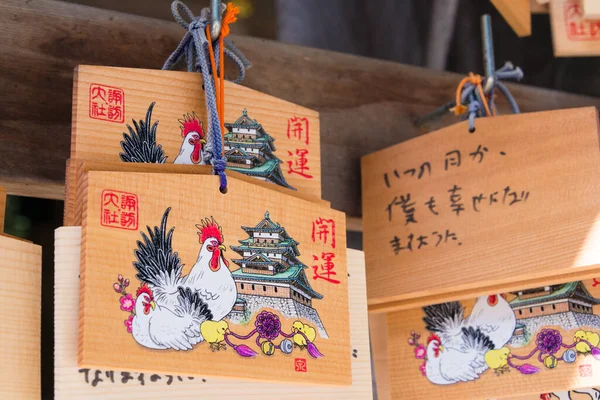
(517, 13)
(365, 104)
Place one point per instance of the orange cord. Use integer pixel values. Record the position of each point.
(230, 17)
(477, 81)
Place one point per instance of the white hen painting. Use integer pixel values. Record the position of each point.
(461, 348)
(177, 311)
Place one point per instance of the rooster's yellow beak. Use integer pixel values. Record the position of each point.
(203, 141)
(441, 348)
(153, 305)
(222, 247)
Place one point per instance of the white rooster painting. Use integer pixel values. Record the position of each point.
(462, 348)
(176, 311)
(458, 345)
(170, 307)
(139, 144)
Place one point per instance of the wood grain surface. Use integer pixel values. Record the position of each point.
(549, 160)
(364, 104)
(407, 382)
(176, 95)
(70, 384)
(20, 310)
(193, 198)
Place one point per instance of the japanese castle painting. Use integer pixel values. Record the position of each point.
(569, 306)
(249, 150)
(272, 276)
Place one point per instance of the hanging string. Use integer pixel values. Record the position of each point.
(197, 48)
(478, 103)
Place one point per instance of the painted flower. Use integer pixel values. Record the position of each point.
(411, 341)
(420, 351)
(128, 323)
(127, 302)
(422, 368)
(267, 325)
(548, 341)
(117, 288)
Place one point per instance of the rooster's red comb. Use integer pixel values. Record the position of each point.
(191, 123)
(210, 229)
(433, 337)
(144, 289)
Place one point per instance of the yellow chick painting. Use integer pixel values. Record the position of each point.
(497, 359)
(592, 337)
(214, 333)
(307, 330)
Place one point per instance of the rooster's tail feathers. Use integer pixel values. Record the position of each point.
(140, 144)
(156, 263)
(439, 317)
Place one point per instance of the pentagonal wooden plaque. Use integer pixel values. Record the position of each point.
(152, 116)
(72, 382)
(533, 341)
(452, 211)
(20, 310)
(258, 283)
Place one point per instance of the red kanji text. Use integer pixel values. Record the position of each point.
(298, 128)
(107, 103)
(324, 267)
(298, 163)
(119, 210)
(323, 230)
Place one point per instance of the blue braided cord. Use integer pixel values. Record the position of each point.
(472, 98)
(473, 110)
(509, 97)
(194, 46)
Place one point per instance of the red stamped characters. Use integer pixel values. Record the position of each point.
(107, 103)
(119, 210)
(300, 365)
(585, 371)
(298, 130)
(579, 28)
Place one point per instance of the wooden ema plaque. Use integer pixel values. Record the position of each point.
(573, 32)
(20, 310)
(452, 213)
(73, 382)
(266, 138)
(263, 286)
(529, 342)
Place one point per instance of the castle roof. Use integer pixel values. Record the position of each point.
(244, 121)
(567, 291)
(293, 275)
(270, 169)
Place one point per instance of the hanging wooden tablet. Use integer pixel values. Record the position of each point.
(72, 382)
(201, 283)
(20, 302)
(574, 33)
(451, 214)
(152, 116)
(527, 342)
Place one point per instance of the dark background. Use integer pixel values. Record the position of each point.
(438, 34)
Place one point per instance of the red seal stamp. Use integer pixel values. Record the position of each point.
(107, 103)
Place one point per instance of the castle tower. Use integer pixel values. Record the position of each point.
(249, 150)
(271, 275)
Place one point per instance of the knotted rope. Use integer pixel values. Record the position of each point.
(197, 48)
(478, 103)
